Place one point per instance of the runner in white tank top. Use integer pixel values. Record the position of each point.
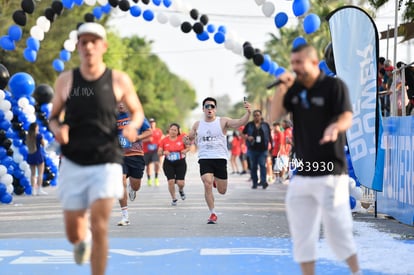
(210, 137)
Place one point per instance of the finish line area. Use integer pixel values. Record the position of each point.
(204, 255)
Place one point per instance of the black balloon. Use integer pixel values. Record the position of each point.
(89, 17)
(198, 28)
(194, 14)
(204, 19)
(186, 27)
(7, 143)
(247, 43)
(20, 18)
(124, 5)
(57, 6)
(28, 6)
(4, 76)
(22, 134)
(248, 52)
(329, 58)
(2, 134)
(146, 2)
(258, 59)
(113, 3)
(50, 14)
(43, 93)
(10, 152)
(135, 1)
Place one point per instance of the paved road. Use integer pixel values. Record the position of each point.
(251, 236)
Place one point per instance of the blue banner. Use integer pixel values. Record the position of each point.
(355, 49)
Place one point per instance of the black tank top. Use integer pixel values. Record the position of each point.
(91, 113)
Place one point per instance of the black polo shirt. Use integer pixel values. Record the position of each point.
(312, 111)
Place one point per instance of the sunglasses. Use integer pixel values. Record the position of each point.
(209, 106)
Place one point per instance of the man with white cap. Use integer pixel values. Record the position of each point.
(83, 120)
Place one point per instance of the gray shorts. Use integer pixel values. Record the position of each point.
(80, 185)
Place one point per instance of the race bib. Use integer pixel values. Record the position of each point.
(152, 147)
(258, 139)
(125, 143)
(174, 156)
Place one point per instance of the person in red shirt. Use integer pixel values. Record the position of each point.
(151, 152)
(174, 150)
(235, 151)
(278, 152)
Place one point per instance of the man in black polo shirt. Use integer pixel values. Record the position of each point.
(321, 113)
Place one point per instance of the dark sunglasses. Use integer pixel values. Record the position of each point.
(209, 106)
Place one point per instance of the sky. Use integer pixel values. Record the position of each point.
(210, 68)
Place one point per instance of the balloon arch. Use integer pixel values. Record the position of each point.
(26, 103)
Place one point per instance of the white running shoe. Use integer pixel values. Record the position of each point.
(40, 192)
(123, 222)
(131, 193)
(82, 252)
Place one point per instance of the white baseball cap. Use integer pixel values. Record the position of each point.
(92, 28)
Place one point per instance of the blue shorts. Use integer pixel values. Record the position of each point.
(133, 166)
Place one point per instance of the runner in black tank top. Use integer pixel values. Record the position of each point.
(91, 115)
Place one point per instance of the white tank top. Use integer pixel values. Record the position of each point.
(211, 142)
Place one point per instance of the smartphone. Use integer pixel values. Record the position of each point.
(245, 99)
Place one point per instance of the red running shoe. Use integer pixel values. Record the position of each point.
(212, 219)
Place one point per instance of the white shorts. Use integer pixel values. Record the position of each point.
(312, 200)
(80, 185)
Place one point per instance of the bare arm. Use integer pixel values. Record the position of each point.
(125, 92)
(341, 125)
(277, 110)
(192, 134)
(62, 84)
(144, 135)
(236, 123)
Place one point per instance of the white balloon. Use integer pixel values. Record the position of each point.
(90, 2)
(31, 118)
(24, 166)
(5, 105)
(175, 21)
(352, 183)
(28, 110)
(3, 170)
(2, 95)
(162, 18)
(17, 157)
(259, 2)
(8, 115)
(102, 2)
(43, 23)
(69, 45)
(6, 179)
(37, 32)
(357, 193)
(238, 48)
(10, 188)
(268, 9)
(178, 5)
(23, 102)
(73, 35)
(229, 44)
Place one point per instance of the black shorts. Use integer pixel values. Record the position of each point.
(175, 169)
(133, 166)
(217, 167)
(151, 156)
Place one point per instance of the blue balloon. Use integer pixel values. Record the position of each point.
(17, 142)
(7, 161)
(352, 202)
(6, 198)
(15, 33)
(78, 2)
(266, 63)
(48, 136)
(148, 15)
(21, 84)
(97, 12)
(211, 28)
(58, 65)
(279, 71)
(219, 37)
(300, 7)
(68, 4)
(3, 152)
(32, 100)
(10, 170)
(167, 3)
(7, 43)
(156, 2)
(222, 29)
(3, 189)
(33, 43)
(281, 19)
(24, 151)
(324, 67)
(298, 41)
(65, 55)
(135, 11)
(311, 23)
(203, 36)
(107, 8)
(1, 115)
(30, 55)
